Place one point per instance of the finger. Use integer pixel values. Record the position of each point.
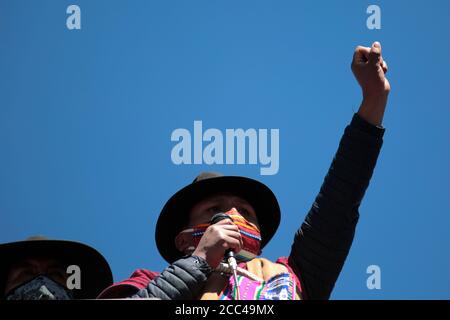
(233, 244)
(232, 227)
(224, 222)
(361, 55)
(216, 229)
(233, 234)
(385, 67)
(375, 54)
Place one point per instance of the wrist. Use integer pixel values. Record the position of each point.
(375, 99)
(372, 108)
(202, 264)
(200, 254)
(212, 261)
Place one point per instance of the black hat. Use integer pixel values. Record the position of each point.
(174, 216)
(95, 271)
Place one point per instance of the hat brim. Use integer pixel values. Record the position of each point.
(174, 215)
(96, 274)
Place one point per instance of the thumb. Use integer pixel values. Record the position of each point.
(375, 54)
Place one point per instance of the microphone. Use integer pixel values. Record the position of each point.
(229, 254)
(218, 217)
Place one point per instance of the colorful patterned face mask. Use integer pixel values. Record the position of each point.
(251, 236)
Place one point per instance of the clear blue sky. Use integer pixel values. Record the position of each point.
(86, 118)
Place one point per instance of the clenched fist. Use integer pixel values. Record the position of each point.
(370, 70)
(216, 240)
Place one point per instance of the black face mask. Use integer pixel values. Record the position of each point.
(40, 288)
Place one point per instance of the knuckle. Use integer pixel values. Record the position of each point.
(376, 53)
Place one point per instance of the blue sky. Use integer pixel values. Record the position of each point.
(86, 118)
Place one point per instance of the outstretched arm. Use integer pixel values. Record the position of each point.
(322, 243)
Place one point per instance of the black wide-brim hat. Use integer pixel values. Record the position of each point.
(96, 274)
(174, 216)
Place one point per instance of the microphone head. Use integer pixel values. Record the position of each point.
(218, 217)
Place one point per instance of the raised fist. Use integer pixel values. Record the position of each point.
(370, 70)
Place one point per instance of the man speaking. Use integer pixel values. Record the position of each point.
(218, 258)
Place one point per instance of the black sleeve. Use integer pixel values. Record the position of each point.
(323, 241)
(182, 280)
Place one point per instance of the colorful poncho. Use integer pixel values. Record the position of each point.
(277, 283)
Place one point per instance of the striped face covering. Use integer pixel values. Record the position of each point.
(251, 236)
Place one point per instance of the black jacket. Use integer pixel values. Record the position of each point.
(323, 241)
